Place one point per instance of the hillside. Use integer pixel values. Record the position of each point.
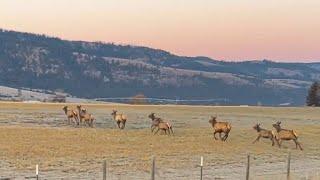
(94, 69)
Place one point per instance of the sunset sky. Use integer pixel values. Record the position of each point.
(281, 30)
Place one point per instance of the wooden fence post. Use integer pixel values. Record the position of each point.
(201, 167)
(248, 167)
(104, 169)
(288, 166)
(37, 172)
(153, 168)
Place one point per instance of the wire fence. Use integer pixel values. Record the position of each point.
(287, 169)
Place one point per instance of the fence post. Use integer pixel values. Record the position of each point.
(248, 167)
(288, 166)
(104, 168)
(37, 172)
(201, 167)
(153, 168)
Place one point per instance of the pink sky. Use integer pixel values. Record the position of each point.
(282, 30)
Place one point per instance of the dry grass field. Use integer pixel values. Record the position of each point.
(38, 134)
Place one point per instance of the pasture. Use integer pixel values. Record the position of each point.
(39, 134)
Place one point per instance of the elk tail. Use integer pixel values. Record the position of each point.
(295, 133)
(170, 127)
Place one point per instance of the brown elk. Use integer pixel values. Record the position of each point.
(87, 118)
(71, 114)
(119, 118)
(81, 113)
(84, 116)
(264, 133)
(220, 127)
(286, 135)
(160, 124)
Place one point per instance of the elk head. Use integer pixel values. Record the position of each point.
(114, 112)
(257, 126)
(152, 116)
(65, 108)
(277, 125)
(213, 119)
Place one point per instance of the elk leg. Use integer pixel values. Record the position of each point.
(168, 131)
(298, 144)
(76, 120)
(257, 139)
(123, 124)
(154, 127)
(214, 135)
(91, 123)
(272, 140)
(118, 123)
(226, 136)
(156, 131)
(171, 130)
(279, 143)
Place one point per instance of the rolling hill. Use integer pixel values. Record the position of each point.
(96, 69)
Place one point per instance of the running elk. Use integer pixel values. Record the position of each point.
(160, 124)
(71, 114)
(286, 135)
(220, 127)
(119, 118)
(264, 134)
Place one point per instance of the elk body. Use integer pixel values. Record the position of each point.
(71, 115)
(220, 127)
(160, 124)
(119, 118)
(286, 135)
(264, 133)
(84, 116)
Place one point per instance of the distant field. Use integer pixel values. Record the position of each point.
(38, 134)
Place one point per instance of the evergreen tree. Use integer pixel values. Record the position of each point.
(313, 98)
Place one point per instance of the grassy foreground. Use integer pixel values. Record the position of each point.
(38, 134)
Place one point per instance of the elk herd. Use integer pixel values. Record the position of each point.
(80, 116)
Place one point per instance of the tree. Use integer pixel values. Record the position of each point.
(313, 98)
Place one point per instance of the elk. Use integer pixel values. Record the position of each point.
(155, 121)
(286, 135)
(220, 127)
(81, 112)
(119, 118)
(87, 117)
(264, 133)
(160, 124)
(84, 116)
(71, 114)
